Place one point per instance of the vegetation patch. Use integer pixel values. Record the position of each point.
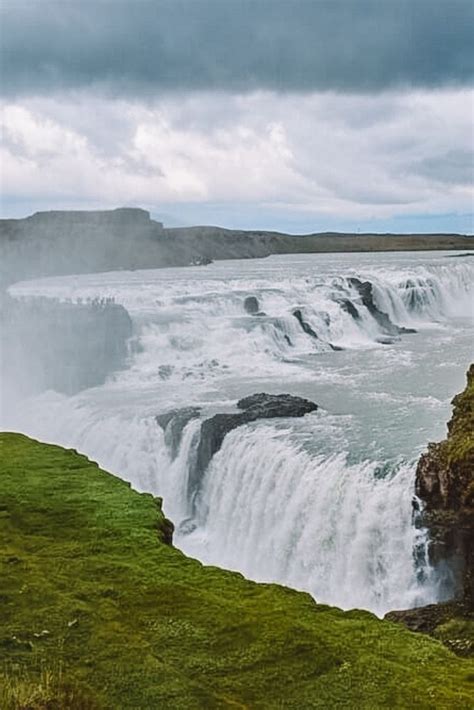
(99, 611)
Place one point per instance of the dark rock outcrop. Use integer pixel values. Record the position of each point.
(304, 325)
(251, 305)
(366, 292)
(347, 306)
(165, 526)
(450, 622)
(257, 406)
(200, 261)
(173, 424)
(445, 484)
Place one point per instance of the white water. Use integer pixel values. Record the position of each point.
(322, 503)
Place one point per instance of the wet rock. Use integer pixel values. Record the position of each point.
(200, 261)
(165, 371)
(347, 306)
(366, 292)
(257, 406)
(187, 526)
(304, 325)
(173, 424)
(386, 340)
(252, 306)
(264, 405)
(309, 330)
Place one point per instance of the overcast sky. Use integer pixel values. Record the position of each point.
(300, 115)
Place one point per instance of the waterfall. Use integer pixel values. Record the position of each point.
(323, 503)
(342, 531)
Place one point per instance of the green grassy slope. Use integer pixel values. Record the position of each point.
(97, 611)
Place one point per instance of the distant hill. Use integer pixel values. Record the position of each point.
(67, 242)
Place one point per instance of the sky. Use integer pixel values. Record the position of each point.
(293, 115)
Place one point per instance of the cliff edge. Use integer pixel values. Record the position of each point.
(99, 610)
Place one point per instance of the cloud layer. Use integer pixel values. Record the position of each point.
(323, 154)
(147, 47)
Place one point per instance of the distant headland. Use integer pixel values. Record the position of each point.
(67, 242)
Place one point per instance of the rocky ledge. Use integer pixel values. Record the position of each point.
(214, 429)
(257, 406)
(445, 485)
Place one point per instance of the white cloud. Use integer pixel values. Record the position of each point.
(332, 154)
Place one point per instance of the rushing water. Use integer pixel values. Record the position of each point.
(322, 503)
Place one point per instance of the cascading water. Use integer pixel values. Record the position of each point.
(324, 502)
(342, 531)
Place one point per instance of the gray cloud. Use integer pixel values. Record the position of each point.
(149, 46)
(454, 166)
(282, 153)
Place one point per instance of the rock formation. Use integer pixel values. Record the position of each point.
(445, 485)
(252, 306)
(173, 424)
(49, 344)
(366, 292)
(257, 406)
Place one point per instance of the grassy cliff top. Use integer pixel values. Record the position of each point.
(98, 611)
(460, 442)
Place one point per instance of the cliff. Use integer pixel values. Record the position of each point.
(48, 344)
(49, 243)
(98, 610)
(445, 485)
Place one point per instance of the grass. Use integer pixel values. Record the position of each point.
(96, 611)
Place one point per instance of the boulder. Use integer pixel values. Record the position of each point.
(252, 306)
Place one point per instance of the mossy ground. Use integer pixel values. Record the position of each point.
(96, 611)
(459, 446)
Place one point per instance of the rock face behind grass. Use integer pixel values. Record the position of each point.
(445, 484)
(97, 611)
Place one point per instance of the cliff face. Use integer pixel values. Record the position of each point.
(67, 347)
(50, 243)
(96, 601)
(445, 484)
